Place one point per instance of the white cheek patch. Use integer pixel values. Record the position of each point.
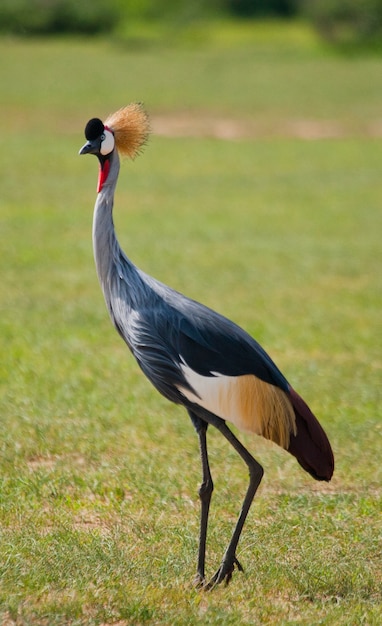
(108, 143)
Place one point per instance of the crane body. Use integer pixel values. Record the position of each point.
(192, 355)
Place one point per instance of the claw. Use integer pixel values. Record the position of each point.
(238, 565)
(199, 581)
(224, 573)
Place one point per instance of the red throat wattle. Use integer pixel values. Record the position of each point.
(103, 174)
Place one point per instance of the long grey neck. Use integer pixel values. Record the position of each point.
(105, 243)
(115, 271)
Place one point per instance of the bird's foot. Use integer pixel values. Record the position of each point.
(224, 573)
(199, 581)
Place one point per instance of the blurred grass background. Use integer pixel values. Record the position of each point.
(258, 194)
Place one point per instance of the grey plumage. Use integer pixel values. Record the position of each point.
(156, 321)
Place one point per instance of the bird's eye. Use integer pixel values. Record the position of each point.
(103, 136)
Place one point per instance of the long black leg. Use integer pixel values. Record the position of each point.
(224, 572)
(205, 493)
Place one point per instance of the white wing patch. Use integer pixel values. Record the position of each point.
(220, 395)
(246, 401)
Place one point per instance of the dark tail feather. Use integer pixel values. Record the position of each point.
(310, 445)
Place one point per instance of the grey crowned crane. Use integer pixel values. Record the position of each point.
(191, 354)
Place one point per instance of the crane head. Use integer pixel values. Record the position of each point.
(101, 142)
(100, 139)
(126, 130)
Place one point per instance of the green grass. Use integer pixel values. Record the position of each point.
(98, 473)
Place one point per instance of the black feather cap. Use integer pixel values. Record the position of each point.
(94, 128)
